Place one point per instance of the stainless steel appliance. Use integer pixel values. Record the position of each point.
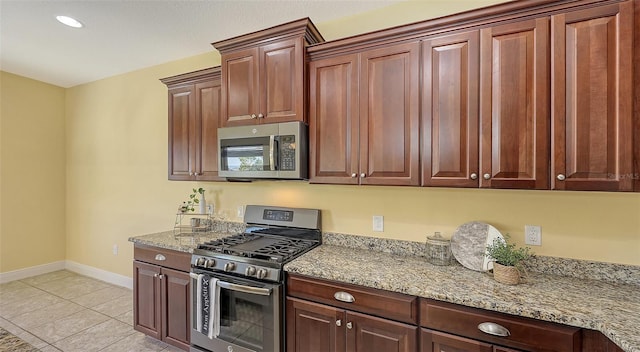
(275, 151)
(237, 283)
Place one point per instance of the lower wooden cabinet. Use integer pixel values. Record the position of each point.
(314, 327)
(162, 303)
(435, 341)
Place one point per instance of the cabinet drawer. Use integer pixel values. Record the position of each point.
(163, 257)
(525, 333)
(382, 303)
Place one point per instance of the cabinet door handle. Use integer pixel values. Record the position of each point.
(253, 116)
(260, 116)
(474, 176)
(160, 257)
(344, 297)
(155, 275)
(349, 325)
(338, 322)
(494, 329)
(363, 175)
(353, 175)
(561, 177)
(486, 176)
(161, 276)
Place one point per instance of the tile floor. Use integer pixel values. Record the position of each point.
(64, 311)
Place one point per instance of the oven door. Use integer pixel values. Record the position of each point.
(242, 315)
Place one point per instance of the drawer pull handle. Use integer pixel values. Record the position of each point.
(344, 297)
(160, 257)
(494, 329)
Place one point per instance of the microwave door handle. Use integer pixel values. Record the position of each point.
(246, 289)
(272, 159)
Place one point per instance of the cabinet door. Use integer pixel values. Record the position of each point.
(434, 341)
(450, 110)
(176, 308)
(592, 98)
(208, 119)
(146, 295)
(368, 333)
(389, 116)
(182, 127)
(240, 99)
(313, 327)
(333, 120)
(281, 81)
(514, 105)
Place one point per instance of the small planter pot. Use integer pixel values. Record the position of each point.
(509, 275)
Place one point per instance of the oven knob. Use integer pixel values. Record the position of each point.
(261, 274)
(210, 263)
(250, 271)
(200, 261)
(230, 266)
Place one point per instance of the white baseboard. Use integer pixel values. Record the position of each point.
(78, 268)
(31, 271)
(99, 274)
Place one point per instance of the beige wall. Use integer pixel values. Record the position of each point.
(32, 173)
(116, 183)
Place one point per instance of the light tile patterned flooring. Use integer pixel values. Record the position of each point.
(64, 311)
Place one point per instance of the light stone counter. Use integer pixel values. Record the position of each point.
(612, 308)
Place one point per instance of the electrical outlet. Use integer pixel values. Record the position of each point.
(240, 211)
(532, 235)
(378, 223)
(115, 249)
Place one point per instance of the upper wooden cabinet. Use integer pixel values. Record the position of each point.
(194, 117)
(364, 118)
(450, 110)
(263, 74)
(514, 105)
(592, 95)
(498, 138)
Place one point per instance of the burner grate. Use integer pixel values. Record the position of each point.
(251, 245)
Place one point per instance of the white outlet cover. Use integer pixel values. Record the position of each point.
(378, 223)
(532, 235)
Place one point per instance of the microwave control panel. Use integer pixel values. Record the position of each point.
(287, 153)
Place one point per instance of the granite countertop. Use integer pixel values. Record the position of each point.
(611, 308)
(182, 243)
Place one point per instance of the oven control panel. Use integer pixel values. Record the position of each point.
(229, 265)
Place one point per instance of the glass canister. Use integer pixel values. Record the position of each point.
(438, 250)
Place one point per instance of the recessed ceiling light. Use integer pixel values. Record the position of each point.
(71, 22)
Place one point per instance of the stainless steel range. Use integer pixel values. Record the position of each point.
(238, 281)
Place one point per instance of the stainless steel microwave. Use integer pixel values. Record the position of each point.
(271, 151)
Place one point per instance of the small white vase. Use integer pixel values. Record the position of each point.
(203, 204)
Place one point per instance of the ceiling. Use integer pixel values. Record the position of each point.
(120, 36)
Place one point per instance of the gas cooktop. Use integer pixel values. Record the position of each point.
(274, 236)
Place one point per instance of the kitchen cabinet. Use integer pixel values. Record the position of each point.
(498, 138)
(263, 74)
(451, 327)
(592, 92)
(450, 131)
(514, 105)
(364, 118)
(194, 116)
(162, 303)
(318, 321)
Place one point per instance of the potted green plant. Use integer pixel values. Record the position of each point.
(193, 200)
(507, 260)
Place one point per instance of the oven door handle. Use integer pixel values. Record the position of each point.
(246, 289)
